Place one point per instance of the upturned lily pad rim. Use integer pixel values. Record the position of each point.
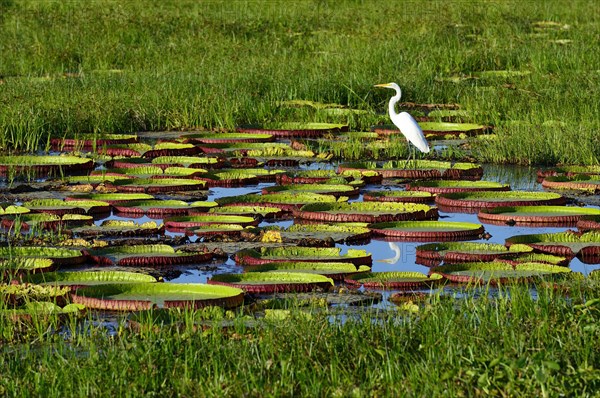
(536, 214)
(271, 282)
(451, 186)
(489, 199)
(333, 270)
(89, 277)
(393, 280)
(151, 295)
(428, 230)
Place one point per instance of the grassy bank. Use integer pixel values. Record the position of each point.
(512, 345)
(102, 66)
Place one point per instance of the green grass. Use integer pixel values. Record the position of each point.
(105, 66)
(511, 345)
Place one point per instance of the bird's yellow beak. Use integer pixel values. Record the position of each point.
(386, 85)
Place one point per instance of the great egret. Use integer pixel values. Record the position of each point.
(394, 259)
(405, 122)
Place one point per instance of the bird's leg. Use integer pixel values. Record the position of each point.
(409, 153)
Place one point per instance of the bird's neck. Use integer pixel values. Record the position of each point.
(393, 101)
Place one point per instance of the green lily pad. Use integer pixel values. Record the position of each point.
(296, 130)
(324, 189)
(60, 256)
(91, 140)
(427, 230)
(432, 254)
(370, 212)
(158, 185)
(580, 182)
(146, 255)
(45, 221)
(273, 282)
(80, 278)
(393, 280)
(27, 265)
(184, 222)
(119, 228)
(58, 206)
(10, 209)
(307, 254)
(216, 229)
(437, 187)
(189, 161)
(112, 198)
(338, 232)
(485, 199)
(285, 201)
(155, 208)
(226, 138)
(498, 272)
(430, 169)
(335, 271)
(536, 215)
(398, 196)
(43, 166)
(567, 244)
(568, 171)
(262, 211)
(143, 296)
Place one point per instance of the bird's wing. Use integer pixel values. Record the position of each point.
(411, 130)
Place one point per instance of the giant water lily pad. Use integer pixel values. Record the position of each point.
(158, 185)
(369, 212)
(580, 182)
(112, 198)
(568, 171)
(197, 162)
(80, 278)
(60, 256)
(43, 166)
(432, 254)
(45, 221)
(307, 177)
(146, 255)
(497, 272)
(393, 280)
(567, 244)
(484, 199)
(295, 130)
(536, 215)
(441, 128)
(324, 189)
(430, 169)
(285, 201)
(233, 178)
(426, 231)
(161, 208)
(143, 296)
(398, 196)
(21, 265)
(437, 187)
(183, 222)
(119, 228)
(273, 282)
(88, 141)
(335, 271)
(7, 209)
(58, 206)
(338, 232)
(95, 179)
(203, 231)
(589, 223)
(226, 138)
(262, 211)
(307, 254)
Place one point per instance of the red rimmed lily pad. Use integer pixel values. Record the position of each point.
(433, 254)
(146, 255)
(536, 215)
(426, 231)
(309, 177)
(588, 223)
(227, 138)
(266, 255)
(144, 296)
(296, 130)
(230, 230)
(429, 169)
(158, 185)
(19, 265)
(184, 222)
(87, 278)
(498, 272)
(273, 282)
(60, 207)
(162, 149)
(119, 228)
(338, 232)
(568, 171)
(284, 201)
(483, 199)
(335, 271)
(44, 166)
(112, 198)
(567, 244)
(263, 175)
(46, 221)
(59, 255)
(393, 280)
(580, 182)
(156, 208)
(369, 212)
(398, 196)
(8, 209)
(235, 178)
(440, 128)
(438, 187)
(90, 141)
(194, 162)
(336, 190)
(95, 179)
(252, 211)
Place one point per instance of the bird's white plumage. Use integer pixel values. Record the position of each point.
(405, 122)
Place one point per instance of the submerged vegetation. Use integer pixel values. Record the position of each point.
(529, 69)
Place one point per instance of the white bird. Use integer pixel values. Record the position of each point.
(405, 122)
(397, 252)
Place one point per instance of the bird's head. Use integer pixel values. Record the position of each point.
(393, 86)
